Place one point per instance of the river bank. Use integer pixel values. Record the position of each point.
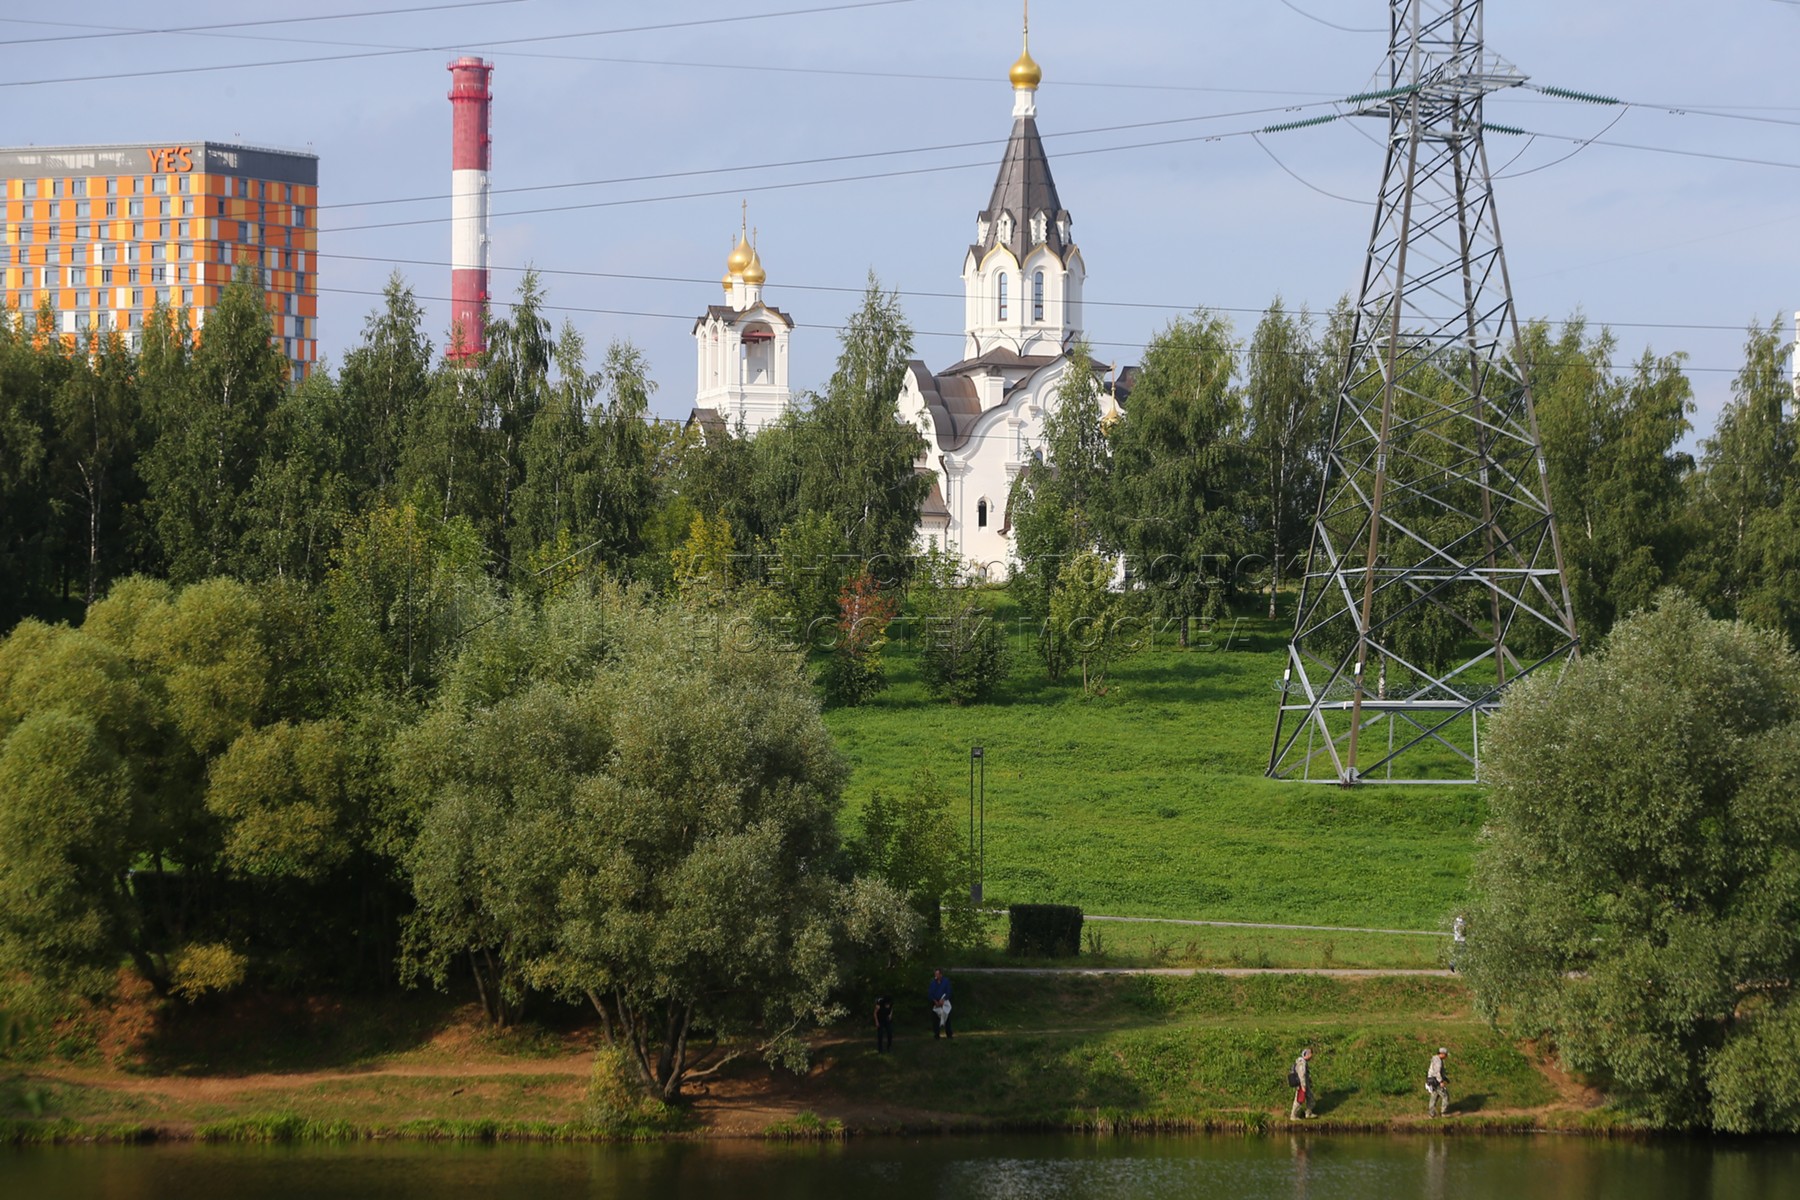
(1083, 1053)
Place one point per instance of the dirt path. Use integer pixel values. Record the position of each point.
(1333, 972)
(1432, 933)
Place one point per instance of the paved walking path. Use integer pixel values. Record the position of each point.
(1265, 925)
(1336, 972)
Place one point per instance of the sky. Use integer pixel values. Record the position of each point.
(626, 135)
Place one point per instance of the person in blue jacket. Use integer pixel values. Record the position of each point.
(939, 995)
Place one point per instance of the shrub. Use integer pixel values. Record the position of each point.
(1044, 930)
(200, 969)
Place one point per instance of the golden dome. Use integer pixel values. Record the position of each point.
(753, 272)
(741, 254)
(1026, 73)
(726, 282)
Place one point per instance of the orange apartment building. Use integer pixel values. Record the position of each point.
(103, 234)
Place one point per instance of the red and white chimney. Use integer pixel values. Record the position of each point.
(470, 98)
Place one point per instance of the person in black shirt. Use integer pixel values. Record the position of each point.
(884, 1024)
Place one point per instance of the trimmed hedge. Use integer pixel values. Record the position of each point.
(1044, 930)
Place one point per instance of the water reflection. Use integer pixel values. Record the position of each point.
(1301, 1166)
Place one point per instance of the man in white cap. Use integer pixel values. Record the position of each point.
(1437, 1086)
(1303, 1090)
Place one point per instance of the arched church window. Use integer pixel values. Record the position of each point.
(981, 514)
(1001, 310)
(1037, 296)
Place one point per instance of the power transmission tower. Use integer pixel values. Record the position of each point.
(1434, 579)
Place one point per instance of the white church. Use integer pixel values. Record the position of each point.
(982, 418)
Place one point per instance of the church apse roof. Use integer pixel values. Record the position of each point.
(952, 401)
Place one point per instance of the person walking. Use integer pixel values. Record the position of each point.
(1437, 1086)
(939, 995)
(1301, 1078)
(1458, 940)
(884, 1024)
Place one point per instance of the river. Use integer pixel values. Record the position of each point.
(941, 1168)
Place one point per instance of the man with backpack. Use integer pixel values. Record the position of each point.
(1301, 1080)
(1437, 1086)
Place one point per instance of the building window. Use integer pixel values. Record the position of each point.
(981, 514)
(56, 187)
(134, 208)
(106, 275)
(160, 185)
(55, 210)
(1000, 312)
(78, 187)
(112, 187)
(1037, 296)
(187, 208)
(31, 189)
(112, 208)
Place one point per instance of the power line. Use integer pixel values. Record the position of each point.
(390, 51)
(1236, 351)
(1563, 137)
(1331, 24)
(835, 158)
(115, 31)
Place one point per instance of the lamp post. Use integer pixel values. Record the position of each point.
(977, 803)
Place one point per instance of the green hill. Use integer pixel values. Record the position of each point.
(1150, 800)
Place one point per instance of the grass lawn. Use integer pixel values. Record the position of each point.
(1150, 800)
(1174, 1051)
(1039, 1051)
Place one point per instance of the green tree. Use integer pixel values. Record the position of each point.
(1744, 518)
(705, 567)
(1638, 886)
(209, 433)
(1178, 510)
(1084, 613)
(856, 455)
(401, 589)
(659, 839)
(304, 493)
(99, 434)
(618, 489)
(911, 840)
(855, 671)
(386, 384)
(1610, 443)
(29, 377)
(809, 567)
(1284, 391)
(1057, 508)
(962, 648)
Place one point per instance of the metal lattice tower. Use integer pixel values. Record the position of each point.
(1434, 579)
